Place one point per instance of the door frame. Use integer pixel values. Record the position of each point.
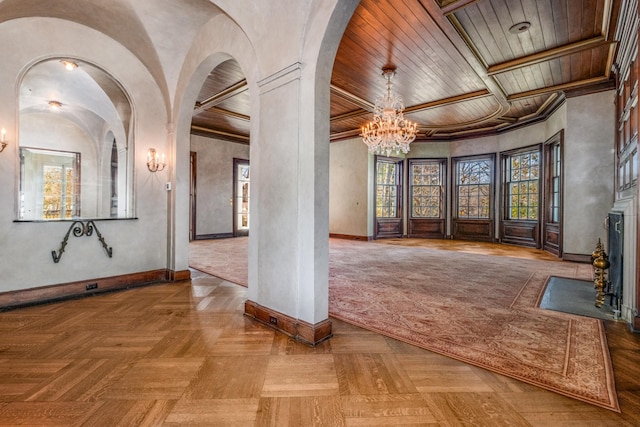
(385, 227)
(193, 163)
(552, 231)
(238, 162)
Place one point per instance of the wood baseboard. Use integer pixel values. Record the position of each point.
(178, 276)
(577, 258)
(350, 237)
(82, 288)
(298, 329)
(213, 236)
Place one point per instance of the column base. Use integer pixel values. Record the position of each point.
(295, 328)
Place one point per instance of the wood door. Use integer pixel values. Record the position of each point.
(552, 202)
(388, 202)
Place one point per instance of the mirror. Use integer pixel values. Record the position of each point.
(75, 144)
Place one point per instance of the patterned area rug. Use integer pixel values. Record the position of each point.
(480, 309)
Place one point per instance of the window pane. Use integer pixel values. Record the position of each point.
(522, 186)
(473, 188)
(426, 189)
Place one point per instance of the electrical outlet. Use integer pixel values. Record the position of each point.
(91, 286)
(273, 320)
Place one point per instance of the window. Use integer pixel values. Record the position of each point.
(387, 174)
(426, 178)
(522, 175)
(52, 178)
(555, 190)
(473, 188)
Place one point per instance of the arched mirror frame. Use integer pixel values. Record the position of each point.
(94, 112)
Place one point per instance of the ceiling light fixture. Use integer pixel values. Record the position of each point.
(389, 130)
(55, 105)
(69, 65)
(520, 27)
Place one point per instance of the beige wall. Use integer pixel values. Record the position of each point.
(589, 167)
(215, 183)
(349, 201)
(589, 170)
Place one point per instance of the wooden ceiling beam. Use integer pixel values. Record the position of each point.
(349, 115)
(236, 137)
(348, 96)
(456, 5)
(448, 101)
(229, 113)
(557, 88)
(221, 96)
(415, 108)
(548, 55)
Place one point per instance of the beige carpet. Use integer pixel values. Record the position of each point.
(476, 308)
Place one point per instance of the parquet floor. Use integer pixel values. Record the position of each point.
(184, 354)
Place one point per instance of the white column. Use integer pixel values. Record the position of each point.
(289, 235)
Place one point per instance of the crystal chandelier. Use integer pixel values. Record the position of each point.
(389, 130)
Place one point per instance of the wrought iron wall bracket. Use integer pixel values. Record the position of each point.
(79, 228)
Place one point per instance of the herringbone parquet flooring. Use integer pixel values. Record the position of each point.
(184, 354)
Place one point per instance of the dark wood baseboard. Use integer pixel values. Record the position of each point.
(350, 237)
(213, 236)
(82, 288)
(295, 328)
(577, 258)
(178, 276)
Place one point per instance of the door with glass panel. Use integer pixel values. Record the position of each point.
(552, 221)
(240, 197)
(427, 198)
(473, 200)
(520, 219)
(388, 190)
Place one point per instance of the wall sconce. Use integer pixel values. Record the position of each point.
(155, 161)
(55, 105)
(3, 140)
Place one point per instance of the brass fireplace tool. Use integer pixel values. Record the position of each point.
(600, 262)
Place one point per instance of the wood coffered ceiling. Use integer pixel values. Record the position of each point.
(463, 68)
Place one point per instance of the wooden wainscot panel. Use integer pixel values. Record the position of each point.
(473, 230)
(552, 239)
(427, 228)
(522, 233)
(388, 227)
(295, 328)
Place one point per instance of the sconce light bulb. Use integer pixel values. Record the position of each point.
(55, 105)
(69, 65)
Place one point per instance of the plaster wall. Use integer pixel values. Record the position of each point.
(214, 181)
(138, 244)
(349, 206)
(589, 167)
